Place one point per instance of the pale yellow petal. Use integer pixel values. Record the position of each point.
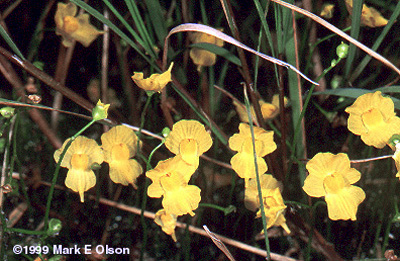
(80, 181)
(243, 164)
(182, 201)
(344, 204)
(125, 171)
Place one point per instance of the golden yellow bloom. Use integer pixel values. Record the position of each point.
(372, 117)
(167, 222)
(268, 110)
(120, 145)
(79, 157)
(272, 200)
(189, 139)
(72, 27)
(331, 176)
(243, 161)
(170, 179)
(202, 57)
(327, 11)
(156, 82)
(369, 15)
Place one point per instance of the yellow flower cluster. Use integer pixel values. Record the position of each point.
(243, 163)
(170, 178)
(119, 145)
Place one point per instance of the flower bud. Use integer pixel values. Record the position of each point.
(7, 112)
(100, 112)
(55, 226)
(342, 50)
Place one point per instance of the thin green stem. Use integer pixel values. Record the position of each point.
(260, 197)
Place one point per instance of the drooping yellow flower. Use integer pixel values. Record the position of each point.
(189, 139)
(120, 145)
(372, 117)
(202, 57)
(243, 161)
(170, 179)
(167, 222)
(268, 110)
(156, 82)
(79, 158)
(72, 27)
(272, 200)
(331, 176)
(369, 15)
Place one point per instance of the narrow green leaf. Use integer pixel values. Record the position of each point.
(10, 42)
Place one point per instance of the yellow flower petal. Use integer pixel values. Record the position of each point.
(182, 201)
(344, 205)
(243, 164)
(119, 143)
(156, 82)
(372, 117)
(174, 168)
(242, 141)
(80, 181)
(125, 171)
(167, 222)
(189, 139)
(74, 28)
(81, 145)
(251, 199)
(202, 57)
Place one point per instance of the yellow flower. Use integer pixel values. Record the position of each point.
(156, 82)
(170, 179)
(331, 176)
(189, 139)
(268, 110)
(327, 11)
(369, 15)
(167, 222)
(243, 161)
(79, 157)
(120, 145)
(272, 200)
(372, 116)
(202, 57)
(72, 27)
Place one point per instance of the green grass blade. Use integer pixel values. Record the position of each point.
(140, 25)
(354, 32)
(124, 22)
(10, 42)
(377, 43)
(157, 19)
(113, 27)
